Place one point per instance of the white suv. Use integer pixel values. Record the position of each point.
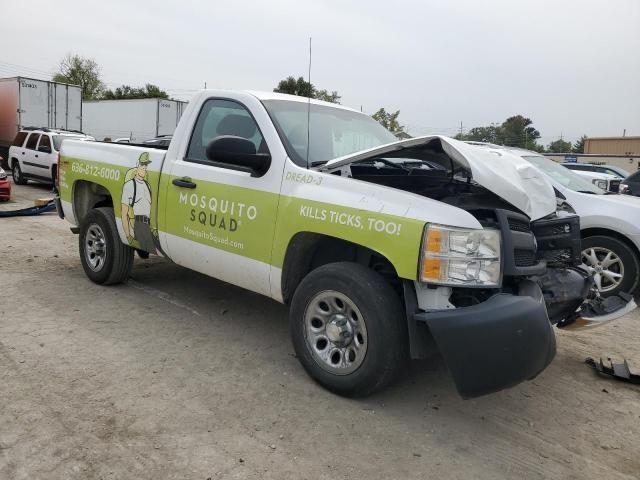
(609, 223)
(33, 155)
(604, 181)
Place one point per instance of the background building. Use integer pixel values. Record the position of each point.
(613, 145)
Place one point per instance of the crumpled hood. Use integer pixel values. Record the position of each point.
(505, 174)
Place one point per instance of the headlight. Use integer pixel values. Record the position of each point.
(600, 183)
(623, 188)
(459, 257)
(3, 174)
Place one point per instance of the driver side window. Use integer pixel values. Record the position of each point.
(222, 117)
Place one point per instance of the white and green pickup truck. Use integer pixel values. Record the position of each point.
(383, 250)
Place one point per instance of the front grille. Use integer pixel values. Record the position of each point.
(614, 185)
(556, 229)
(557, 257)
(524, 258)
(518, 245)
(558, 240)
(518, 225)
(4, 191)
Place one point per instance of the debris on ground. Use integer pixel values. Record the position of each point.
(619, 371)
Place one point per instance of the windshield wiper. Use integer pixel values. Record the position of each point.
(587, 191)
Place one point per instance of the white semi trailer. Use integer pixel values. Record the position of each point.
(137, 120)
(28, 102)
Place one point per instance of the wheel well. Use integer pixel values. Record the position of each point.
(87, 196)
(590, 232)
(14, 160)
(308, 251)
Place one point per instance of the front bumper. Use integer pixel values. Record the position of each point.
(493, 345)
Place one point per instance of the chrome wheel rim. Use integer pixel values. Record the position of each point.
(335, 332)
(605, 266)
(95, 247)
(16, 174)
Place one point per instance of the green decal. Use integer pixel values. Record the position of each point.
(396, 238)
(234, 219)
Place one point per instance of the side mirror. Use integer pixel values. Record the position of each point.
(44, 149)
(238, 152)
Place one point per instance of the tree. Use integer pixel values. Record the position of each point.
(490, 134)
(517, 131)
(294, 86)
(559, 146)
(302, 88)
(127, 92)
(389, 120)
(578, 147)
(81, 71)
(326, 96)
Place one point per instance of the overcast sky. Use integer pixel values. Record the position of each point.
(572, 66)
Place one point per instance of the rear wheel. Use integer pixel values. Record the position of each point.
(18, 176)
(612, 263)
(348, 330)
(105, 259)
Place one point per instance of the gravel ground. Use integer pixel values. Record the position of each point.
(176, 375)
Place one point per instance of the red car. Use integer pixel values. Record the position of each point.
(5, 185)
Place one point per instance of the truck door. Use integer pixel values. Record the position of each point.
(43, 156)
(218, 220)
(74, 108)
(166, 117)
(34, 103)
(60, 111)
(28, 155)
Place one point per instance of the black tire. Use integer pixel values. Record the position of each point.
(382, 312)
(18, 176)
(118, 257)
(626, 255)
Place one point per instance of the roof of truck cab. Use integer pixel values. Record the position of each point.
(295, 98)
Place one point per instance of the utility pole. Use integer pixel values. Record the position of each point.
(460, 127)
(205, 85)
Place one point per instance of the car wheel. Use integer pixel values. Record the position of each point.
(105, 259)
(612, 263)
(348, 329)
(18, 176)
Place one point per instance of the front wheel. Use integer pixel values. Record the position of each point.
(612, 263)
(348, 329)
(105, 259)
(18, 176)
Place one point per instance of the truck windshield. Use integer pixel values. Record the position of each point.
(333, 131)
(565, 177)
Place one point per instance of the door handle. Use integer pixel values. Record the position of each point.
(36, 155)
(183, 182)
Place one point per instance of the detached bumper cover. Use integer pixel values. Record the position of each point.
(58, 204)
(494, 345)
